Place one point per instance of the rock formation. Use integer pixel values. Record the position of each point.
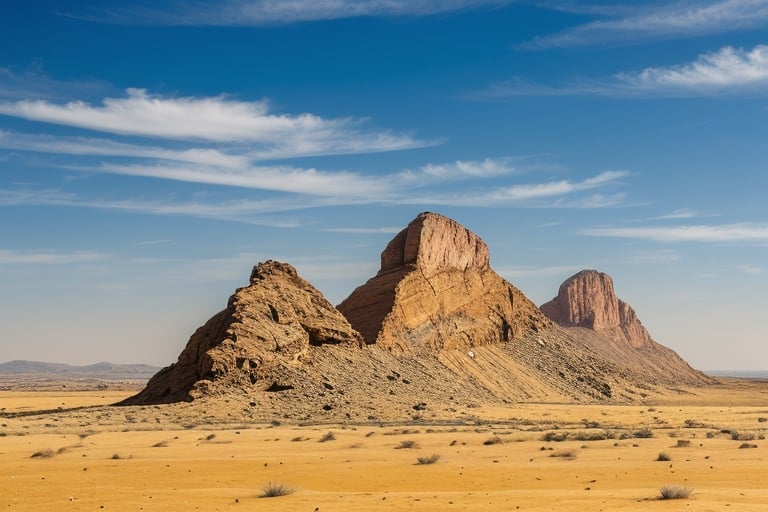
(587, 299)
(267, 328)
(435, 290)
(435, 325)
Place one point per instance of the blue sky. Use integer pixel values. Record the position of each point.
(152, 152)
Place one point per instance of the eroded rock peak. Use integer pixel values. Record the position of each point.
(433, 242)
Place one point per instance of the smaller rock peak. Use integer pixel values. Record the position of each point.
(434, 242)
(272, 268)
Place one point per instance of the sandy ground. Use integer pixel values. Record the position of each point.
(498, 461)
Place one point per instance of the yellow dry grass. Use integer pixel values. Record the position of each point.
(145, 466)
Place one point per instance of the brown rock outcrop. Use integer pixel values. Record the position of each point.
(435, 290)
(266, 328)
(587, 299)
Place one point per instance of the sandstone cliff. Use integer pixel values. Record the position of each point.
(266, 330)
(435, 290)
(587, 299)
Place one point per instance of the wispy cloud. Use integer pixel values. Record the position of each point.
(34, 82)
(697, 233)
(726, 71)
(270, 12)
(682, 18)
(752, 270)
(660, 256)
(213, 119)
(532, 271)
(721, 71)
(16, 257)
(366, 231)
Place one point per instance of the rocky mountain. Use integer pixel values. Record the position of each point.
(266, 330)
(435, 327)
(435, 291)
(588, 300)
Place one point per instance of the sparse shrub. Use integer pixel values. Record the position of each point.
(42, 454)
(116, 456)
(663, 457)
(589, 436)
(297, 439)
(675, 492)
(747, 445)
(274, 490)
(762, 420)
(428, 460)
(210, 437)
(555, 436)
(682, 443)
(741, 437)
(643, 433)
(328, 436)
(408, 443)
(493, 440)
(564, 455)
(160, 444)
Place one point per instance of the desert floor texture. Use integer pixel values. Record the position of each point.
(69, 450)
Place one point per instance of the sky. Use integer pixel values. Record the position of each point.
(152, 152)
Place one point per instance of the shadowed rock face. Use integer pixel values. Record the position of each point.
(267, 326)
(435, 290)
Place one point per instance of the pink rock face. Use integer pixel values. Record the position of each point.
(433, 243)
(587, 299)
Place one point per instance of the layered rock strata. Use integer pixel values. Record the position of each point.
(435, 290)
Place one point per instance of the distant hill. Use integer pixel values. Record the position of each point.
(743, 374)
(103, 370)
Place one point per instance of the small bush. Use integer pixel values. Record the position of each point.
(747, 445)
(210, 437)
(762, 420)
(564, 455)
(428, 460)
(116, 456)
(297, 439)
(675, 492)
(643, 433)
(590, 436)
(407, 444)
(275, 490)
(742, 437)
(493, 440)
(555, 436)
(42, 454)
(663, 457)
(328, 436)
(160, 444)
(682, 443)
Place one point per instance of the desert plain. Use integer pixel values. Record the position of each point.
(72, 450)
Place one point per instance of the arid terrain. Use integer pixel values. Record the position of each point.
(69, 450)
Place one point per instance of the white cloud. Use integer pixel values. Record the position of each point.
(682, 213)
(458, 170)
(752, 270)
(683, 18)
(698, 233)
(661, 256)
(269, 12)
(281, 179)
(725, 71)
(213, 119)
(15, 257)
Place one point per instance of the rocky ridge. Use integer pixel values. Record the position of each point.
(436, 329)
